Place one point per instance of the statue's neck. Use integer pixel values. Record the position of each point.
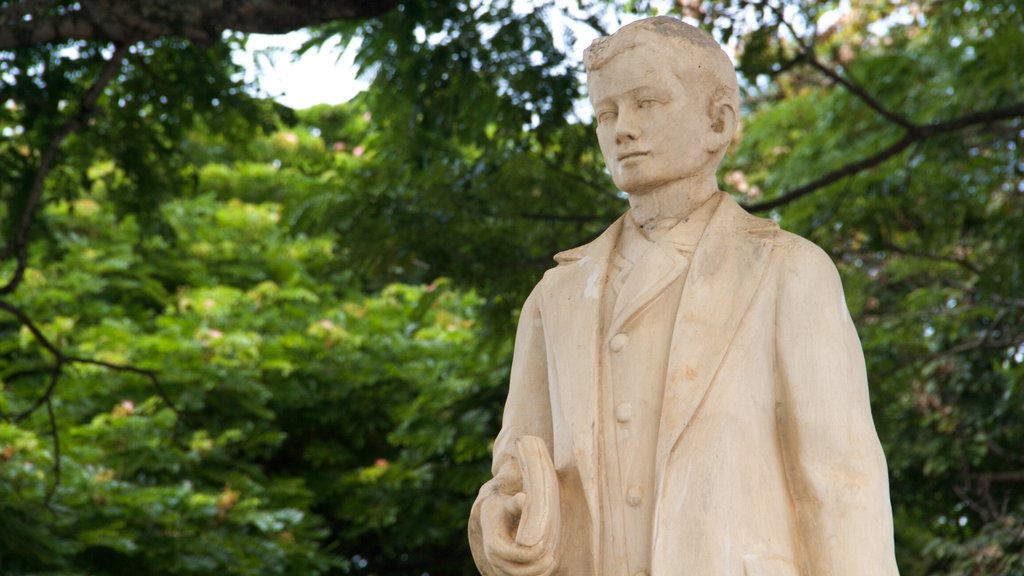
(672, 202)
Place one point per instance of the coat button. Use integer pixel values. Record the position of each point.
(634, 495)
(619, 342)
(624, 412)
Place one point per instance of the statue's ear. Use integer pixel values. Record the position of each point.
(723, 118)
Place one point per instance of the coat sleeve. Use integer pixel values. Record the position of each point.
(833, 459)
(527, 412)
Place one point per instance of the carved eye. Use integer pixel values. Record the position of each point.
(648, 103)
(606, 116)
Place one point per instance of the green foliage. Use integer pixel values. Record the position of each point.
(472, 168)
(306, 417)
(311, 417)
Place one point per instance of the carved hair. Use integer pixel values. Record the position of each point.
(672, 35)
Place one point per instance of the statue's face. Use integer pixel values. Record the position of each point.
(651, 125)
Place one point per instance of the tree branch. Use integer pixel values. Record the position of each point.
(148, 374)
(28, 323)
(61, 359)
(200, 21)
(86, 109)
(56, 371)
(834, 176)
(25, 372)
(862, 94)
(572, 175)
(962, 262)
(985, 341)
(807, 55)
(55, 374)
(55, 432)
(921, 133)
(1005, 477)
(913, 133)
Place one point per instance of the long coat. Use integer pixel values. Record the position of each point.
(767, 464)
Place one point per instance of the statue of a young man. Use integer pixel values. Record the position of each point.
(688, 393)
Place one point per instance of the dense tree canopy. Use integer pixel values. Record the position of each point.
(241, 339)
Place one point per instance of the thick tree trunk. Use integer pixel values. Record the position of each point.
(29, 22)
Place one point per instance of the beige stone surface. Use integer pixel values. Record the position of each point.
(688, 394)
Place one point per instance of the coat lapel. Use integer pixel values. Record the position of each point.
(658, 267)
(572, 296)
(727, 268)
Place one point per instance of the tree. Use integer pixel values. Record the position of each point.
(31, 22)
(144, 181)
(264, 412)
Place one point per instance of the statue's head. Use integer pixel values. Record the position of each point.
(666, 101)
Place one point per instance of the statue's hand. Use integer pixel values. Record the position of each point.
(521, 521)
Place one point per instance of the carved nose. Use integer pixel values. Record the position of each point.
(625, 128)
(625, 133)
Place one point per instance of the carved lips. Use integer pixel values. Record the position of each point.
(628, 155)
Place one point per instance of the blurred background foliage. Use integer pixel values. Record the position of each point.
(237, 338)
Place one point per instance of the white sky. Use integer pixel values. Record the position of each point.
(324, 76)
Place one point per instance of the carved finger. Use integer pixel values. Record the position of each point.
(514, 505)
(523, 562)
(499, 540)
(508, 480)
(542, 566)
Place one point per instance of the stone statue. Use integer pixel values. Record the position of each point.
(688, 394)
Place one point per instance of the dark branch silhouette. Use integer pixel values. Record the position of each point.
(913, 133)
(55, 432)
(32, 22)
(18, 249)
(86, 110)
(1006, 477)
(862, 94)
(806, 54)
(150, 375)
(61, 359)
(920, 133)
(962, 262)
